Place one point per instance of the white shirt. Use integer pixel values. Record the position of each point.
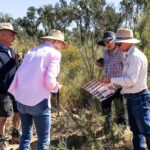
(134, 77)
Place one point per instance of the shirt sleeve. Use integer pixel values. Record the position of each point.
(52, 73)
(14, 85)
(122, 58)
(130, 73)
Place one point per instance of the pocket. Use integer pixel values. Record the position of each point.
(41, 107)
(134, 97)
(146, 100)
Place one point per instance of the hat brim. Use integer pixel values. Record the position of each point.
(133, 41)
(55, 38)
(101, 42)
(9, 30)
(12, 31)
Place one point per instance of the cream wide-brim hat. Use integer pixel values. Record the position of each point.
(56, 35)
(124, 35)
(7, 26)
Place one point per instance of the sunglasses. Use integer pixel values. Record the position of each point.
(118, 44)
(107, 41)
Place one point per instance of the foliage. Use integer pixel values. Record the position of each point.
(143, 28)
(89, 19)
(24, 44)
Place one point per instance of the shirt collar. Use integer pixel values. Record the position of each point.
(5, 48)
(9, 50)
(115, 50)
(48, 43)
(2, 47)
(130, 51)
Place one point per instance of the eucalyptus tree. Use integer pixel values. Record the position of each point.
(29, 24)
(46, 17)
(62, 12)
(81, 16)
(131, 10)
(105, 18)
(135, 16)
(6, 18)
(143, 28)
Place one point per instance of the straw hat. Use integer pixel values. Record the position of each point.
(124, 35)
(56, 35)
(108, 35)
(7, 26)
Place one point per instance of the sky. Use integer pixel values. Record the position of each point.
(18, 8)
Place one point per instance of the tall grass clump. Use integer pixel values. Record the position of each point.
(78, 66)
(23, 44)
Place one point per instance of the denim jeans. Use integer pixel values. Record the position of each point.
(41, 115)
(138, 106)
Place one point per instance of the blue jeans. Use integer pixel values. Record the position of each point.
(138, 106)
(41, 115)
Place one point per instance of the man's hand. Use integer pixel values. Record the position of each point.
(106, 80)
(99, 62)
(60, 86)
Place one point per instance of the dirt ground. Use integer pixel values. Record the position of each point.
(73, 137)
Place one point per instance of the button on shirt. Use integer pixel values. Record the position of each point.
(134, 78)
(36, 77)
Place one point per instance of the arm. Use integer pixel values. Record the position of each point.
(52, 73)
(131, 73)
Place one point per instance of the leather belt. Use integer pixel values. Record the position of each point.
(135, 93)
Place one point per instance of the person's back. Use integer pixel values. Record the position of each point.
(33, 71)
(32, 86)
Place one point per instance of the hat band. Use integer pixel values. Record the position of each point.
(125, 38)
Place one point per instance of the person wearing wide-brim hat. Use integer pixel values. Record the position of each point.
(7, 26)
(108, 35)
(8, 67)
(134, 87)
(32, 86)
(56, 35)
(112, 62)
(105, 42)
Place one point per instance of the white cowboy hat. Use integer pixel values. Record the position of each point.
(124, 35)
(7, 26)
(56, 35)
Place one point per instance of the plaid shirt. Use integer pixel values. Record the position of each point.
(113, 64)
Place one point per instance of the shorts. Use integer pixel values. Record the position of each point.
(7, 105)
(14, 104)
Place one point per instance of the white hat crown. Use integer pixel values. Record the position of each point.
(56, 35)
(125, 35)
(7, 26)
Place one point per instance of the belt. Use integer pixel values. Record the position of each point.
(135, 93)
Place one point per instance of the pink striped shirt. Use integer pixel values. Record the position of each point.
(36, 77)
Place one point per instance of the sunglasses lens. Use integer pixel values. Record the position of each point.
(107, 41)
(118, 44)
